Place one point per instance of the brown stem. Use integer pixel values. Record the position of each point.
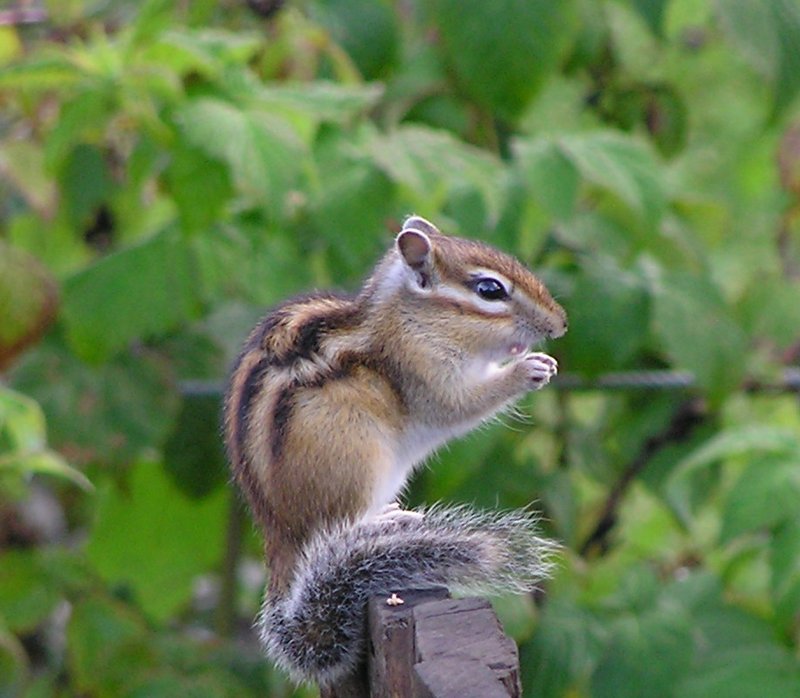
(226, 609)
(688, 416)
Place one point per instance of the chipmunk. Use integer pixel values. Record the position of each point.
(336, 399)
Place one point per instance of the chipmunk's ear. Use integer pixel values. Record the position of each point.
(420, 223)
(415, 250)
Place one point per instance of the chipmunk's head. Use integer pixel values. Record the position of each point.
(483, 299)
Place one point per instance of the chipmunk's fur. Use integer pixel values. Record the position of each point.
(333, 402)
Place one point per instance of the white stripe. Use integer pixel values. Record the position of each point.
(464, 295)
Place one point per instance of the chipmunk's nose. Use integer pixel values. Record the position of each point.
(560, 332)
(558, 324)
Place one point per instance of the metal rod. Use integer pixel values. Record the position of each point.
(787, 382)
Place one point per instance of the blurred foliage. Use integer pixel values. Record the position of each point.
(169, 170)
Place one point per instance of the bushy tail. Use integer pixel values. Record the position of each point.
(316, 631)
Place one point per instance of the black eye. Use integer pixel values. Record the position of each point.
(490, 289)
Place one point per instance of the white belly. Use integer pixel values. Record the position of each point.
(414, 446)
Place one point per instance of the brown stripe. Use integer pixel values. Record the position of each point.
(392, 374)
(242, 389)
(281, 414)
(260, 335)
(254, 493)
(251, 385)
(257, 340)
(310, 334)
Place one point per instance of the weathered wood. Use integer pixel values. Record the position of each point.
(423, 644)
(456, 678)
(392, 645)
(467, 630)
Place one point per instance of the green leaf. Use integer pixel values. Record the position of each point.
(735, 653)
(350, 207)
(767, 493)
(699, 333)
(200, 186)
(609, 312)
(107, 646)
(81, 118)
(720, 626)
(86, 183)
(27, 595)
(741, 440)
(43, 463)
(108, 414)
(434, 163)
(517, 614)
(231, 259)
(22, 164)
(23, 441)
(563, 651)
(780, 295)
(10, 45)
(725, 651)
(551, 176)
(211, 52)
(14, 667)
(28, 301)
(174, 685)
(154, 540)
(366, 29)
(262, 152)
(750, 25)
(787, 22)
(746, 672)
(184, 53)
(193, 453)
(785, 572)
(767, 32)
(319, 100)
(652, 12)
(22, 425)
(502, 52)
(622, 166)
(728, 443)
(152, 18)
(48, 70)
(592, 37)
(135, 293)
(653, 649)
(667, 117)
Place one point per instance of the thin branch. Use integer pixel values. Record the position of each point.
(688, 416)
(225, 619)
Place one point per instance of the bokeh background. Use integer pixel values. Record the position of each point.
(168, 170)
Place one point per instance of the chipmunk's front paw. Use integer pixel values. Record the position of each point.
(394, 513)
(540, 368)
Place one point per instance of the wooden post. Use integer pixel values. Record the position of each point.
(461, 651)
(423, 644)
(393, 641)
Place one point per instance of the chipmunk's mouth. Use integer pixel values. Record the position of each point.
(520, 344)
(513, 348)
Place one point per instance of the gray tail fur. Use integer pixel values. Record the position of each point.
(316, 631)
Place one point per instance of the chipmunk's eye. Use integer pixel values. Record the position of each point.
(490, 289)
